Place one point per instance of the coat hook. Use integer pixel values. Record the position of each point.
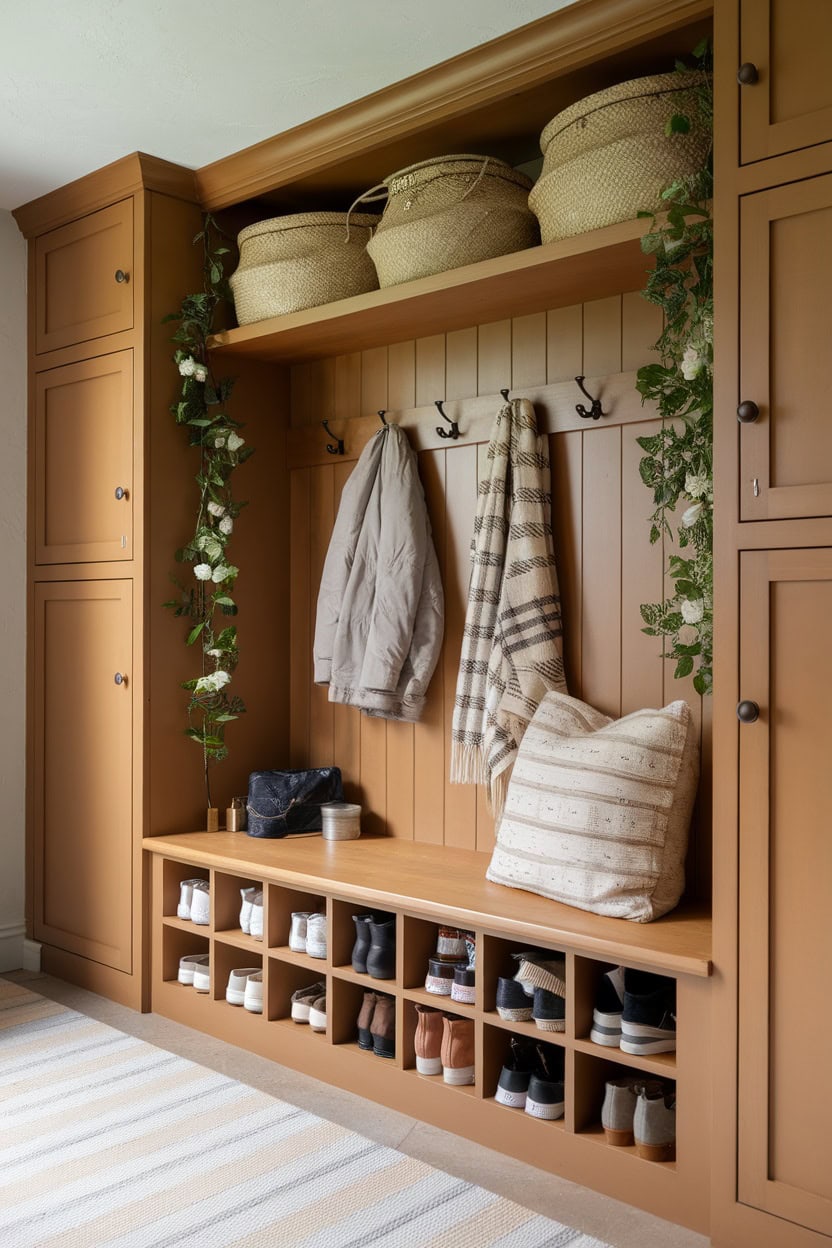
(338, 449)
(453, 433)
(381, 412)
(595, 412)
(505, 393)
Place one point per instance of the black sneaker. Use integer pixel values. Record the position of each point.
(609, 1005)
(513, 1083)
(549, 1010)
(513, 1004)
(648, 1021)
(545, 1096)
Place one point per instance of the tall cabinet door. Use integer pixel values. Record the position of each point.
(83, 803)
(785, 937)
(790, 104)
(786, 264)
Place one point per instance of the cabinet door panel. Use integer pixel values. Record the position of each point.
(83, 808)
(790, 106)
(785, 950)
(77, 293)
(83, 454)
(786, 259)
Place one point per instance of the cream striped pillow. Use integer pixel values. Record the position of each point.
(598, 810)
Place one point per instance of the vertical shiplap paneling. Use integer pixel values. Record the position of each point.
(601, 571)
(461, 364)
(313, 391)
(430, 369)
(485, 819)
(493, 357)
(322, 518)
(528, 352)
(300, 627)
(641, 325)
(401, 375)
(602, 337)
(429, 733)
(347, 386)
(566, 459)
(641, 580)
(564, 343)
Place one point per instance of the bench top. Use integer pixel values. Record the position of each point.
(436, 881)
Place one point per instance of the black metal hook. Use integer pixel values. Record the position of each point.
(338, 449)
(453, 433)
(381, 412)
(505, 393)
(595, 412)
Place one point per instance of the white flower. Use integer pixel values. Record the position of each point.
(215, 654)
(707, 325)
(691, 515)
(219, 442)
(692, 363)
(217, 509)
(219, 574)
(202, 571)
(226, 525)
(692, 610)
(235, 441)
(200, 372)
(212, 683)
(697, 485)
(187, 367)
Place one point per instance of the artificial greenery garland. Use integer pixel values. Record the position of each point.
(207, 597)
(678, 464)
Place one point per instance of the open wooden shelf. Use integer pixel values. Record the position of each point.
(438, 1002)
(316, 966)
(661, 1064)
(240, 940)
(530, 1029)
(554, 275)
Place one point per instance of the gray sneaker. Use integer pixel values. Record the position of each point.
(618, 1110)
(301, 1000)
(654, 1124)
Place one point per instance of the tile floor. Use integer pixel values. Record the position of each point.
(612, 1222)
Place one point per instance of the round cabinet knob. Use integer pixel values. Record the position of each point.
(747, 74)
(121, 276)
(747, 412)
(120, 492)
(120, 679)
(748, 712)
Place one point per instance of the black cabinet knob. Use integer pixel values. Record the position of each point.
(747, 412)
(120, 492)
(121, 276)
(747, 74)
(748, 712)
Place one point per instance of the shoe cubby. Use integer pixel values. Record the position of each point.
(172, 876)
(587, 976)
(496, 1052)
(419, 943)
(282, 904)
(226, 905)
(285, 978)
(342, 934)
(227, 956)
(591, 1076)
(495, 960)
(347, 1001)
(178, 943)
(409, 1022)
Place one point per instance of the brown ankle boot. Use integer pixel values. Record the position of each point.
(383, 1026)
(365, 1018)
(428, 1041)
(457, 1050)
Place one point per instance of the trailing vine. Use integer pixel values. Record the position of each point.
(206, 599)
(678, 461)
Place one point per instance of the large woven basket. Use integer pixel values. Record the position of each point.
(300, 261)
(447, 212)
(607, 157)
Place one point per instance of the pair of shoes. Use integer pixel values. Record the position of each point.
(374, 951)
(451, 972)
(245, 987)
(188, 967)
(376, 1024)
(444, 1045)
(532, 1079)
(541, 978)
(308, 1005)
(641, 1111)
(251, 912)
(635, 1011)
(307, 933)
(194, 902)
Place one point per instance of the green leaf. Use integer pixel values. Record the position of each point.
(194, 633)
(684, 667)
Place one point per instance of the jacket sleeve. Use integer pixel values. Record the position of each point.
(428, 629)
(339, 557)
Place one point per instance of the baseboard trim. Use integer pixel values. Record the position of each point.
(31, 955)
(11, 946)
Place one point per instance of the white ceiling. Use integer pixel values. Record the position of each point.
(84, 82)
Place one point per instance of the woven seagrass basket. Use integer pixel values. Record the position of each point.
(300, 261)
(450, 211)
(607, 157)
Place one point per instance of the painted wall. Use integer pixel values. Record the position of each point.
(13, 596)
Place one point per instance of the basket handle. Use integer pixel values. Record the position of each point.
(368, 197)
(477, 179)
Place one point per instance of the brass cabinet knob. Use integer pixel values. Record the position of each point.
(747, 412)
(747, 74)
(748, 712)
(120, 492)
(120, 679)
(121, 276)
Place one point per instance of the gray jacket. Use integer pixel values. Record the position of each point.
(380, 606)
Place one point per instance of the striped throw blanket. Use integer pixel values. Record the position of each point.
(511, 646)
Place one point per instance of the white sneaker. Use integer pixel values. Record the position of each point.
(245, 910)
(317, 1014)
(253, 997)
(201, 903)
(186, 890)
(188, 964)
(256, 920)
(202, 976)
(316, 935)
(297, 931)
(235, 993)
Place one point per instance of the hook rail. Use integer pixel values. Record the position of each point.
(338, 449)
(596, 411)
(453, 432)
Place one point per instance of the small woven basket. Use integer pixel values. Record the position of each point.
(450, 211)
(607, 157)
(300, 261)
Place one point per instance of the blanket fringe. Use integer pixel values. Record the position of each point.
(498, 792)
(467, 764)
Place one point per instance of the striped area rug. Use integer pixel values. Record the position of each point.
(109, 1142)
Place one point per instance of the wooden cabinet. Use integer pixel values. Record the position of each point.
(84, 278)
(790, 104)
(785, 937)
(82, 737)
(84, 461)
(786, 265)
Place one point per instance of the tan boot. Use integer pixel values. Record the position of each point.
(365, 1018)
(428, 1041)
(457, 1050)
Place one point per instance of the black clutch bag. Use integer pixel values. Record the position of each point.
(282, 802)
